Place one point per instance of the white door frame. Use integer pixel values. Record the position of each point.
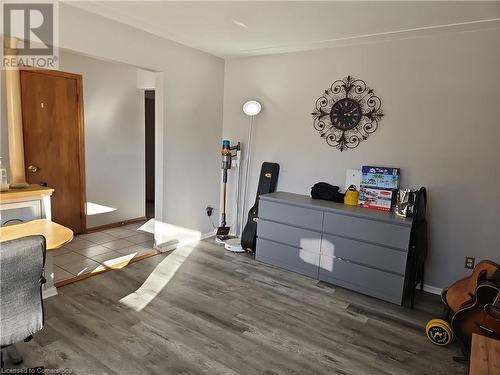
(159, 142)
(150, 80)
(160, 110)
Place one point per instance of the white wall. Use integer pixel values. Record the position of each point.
(114, 137)
(192, 100)
(440, 95)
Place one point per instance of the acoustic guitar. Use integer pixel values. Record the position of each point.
(481, 317)
(460, 294)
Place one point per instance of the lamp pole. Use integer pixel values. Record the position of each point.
(251, 108)
(247, 169)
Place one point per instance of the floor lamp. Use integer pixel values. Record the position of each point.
(251, 108)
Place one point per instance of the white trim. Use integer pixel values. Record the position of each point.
(169, 247)
(431, 289)
(107, 10)
(366, 38)
(207, 235)
(49, 292)
(159, 144)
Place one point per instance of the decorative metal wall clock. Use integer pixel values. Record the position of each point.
(347, 113)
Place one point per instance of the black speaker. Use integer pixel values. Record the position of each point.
(267, 184)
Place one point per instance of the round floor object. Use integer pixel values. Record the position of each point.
(234, 245)
(220, 240)
(439, 332)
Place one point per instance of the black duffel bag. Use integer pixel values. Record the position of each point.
(327, 192)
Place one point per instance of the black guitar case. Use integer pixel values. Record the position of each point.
(267, 184)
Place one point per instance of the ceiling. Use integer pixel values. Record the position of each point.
(237, 28)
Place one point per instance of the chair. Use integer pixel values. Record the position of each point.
(21, 278)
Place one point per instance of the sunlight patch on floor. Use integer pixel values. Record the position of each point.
(169, 236)
(95, 209)
(157, 280)
(119, 262)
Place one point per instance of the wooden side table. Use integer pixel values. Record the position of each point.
(485, 356)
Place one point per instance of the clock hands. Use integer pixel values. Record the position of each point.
(348, 114)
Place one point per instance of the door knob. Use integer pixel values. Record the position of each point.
(32, 168)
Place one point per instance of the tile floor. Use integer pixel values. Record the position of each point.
(99, 251)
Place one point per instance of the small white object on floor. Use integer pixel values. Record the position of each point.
(234, 245)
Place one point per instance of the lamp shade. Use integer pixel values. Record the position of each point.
(252, 108)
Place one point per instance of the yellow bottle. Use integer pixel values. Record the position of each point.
(351, 196)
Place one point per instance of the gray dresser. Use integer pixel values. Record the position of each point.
(356, 248)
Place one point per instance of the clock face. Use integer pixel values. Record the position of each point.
(346, 114)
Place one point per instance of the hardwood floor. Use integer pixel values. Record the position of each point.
(202, 310)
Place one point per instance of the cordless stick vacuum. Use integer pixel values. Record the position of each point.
(227, 149)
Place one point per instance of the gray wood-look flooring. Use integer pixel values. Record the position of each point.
(202, 310)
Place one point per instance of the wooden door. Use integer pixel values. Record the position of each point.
(54, 141)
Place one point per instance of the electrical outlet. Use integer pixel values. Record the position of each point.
(209, 210)
(470, 262)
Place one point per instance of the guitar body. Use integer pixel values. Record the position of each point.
(267, 184)
(481, 315)
(459, 294)
(249, 235)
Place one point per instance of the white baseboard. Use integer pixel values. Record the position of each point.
(49, 292)
(207, 235)
(169, 246)
(431, 289)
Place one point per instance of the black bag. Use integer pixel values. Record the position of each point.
(327, 192)
(267, 184)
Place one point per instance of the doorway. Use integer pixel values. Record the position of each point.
(149, 121)
(52, 110)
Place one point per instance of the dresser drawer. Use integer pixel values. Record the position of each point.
(374, 256)
(377, 232)
(370, 281)
(288, 257)
(293, 236)
(293, 215)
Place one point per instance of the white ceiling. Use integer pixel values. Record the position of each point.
(236, 28)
